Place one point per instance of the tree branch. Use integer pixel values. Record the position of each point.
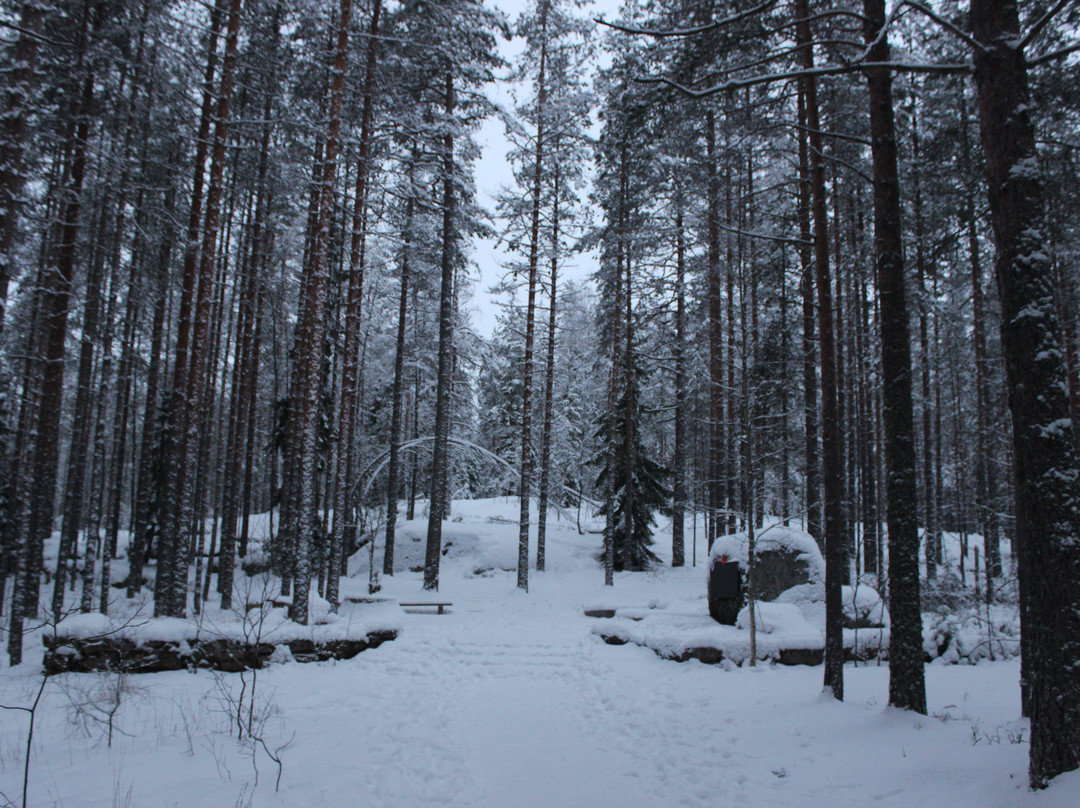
(824, 70)
(948, 26)
(1040, 24)
(1058, 54)
(699, 29)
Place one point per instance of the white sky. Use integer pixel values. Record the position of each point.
(493, 174)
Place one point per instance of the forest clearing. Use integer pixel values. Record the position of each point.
(597, 357)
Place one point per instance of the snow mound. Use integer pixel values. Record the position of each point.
(863, 606)
(775, 618)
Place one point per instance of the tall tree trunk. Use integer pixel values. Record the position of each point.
(56, 306)
(393, 472)
(1047, 485)
(906, 686)
(245, 361)
(440, 461)
(78, 454)
(785, 401)
(678, 511)
(985, 467)
(716, 335)
(610, 525)
(13, 134)
(841, 377)
(832, 456)
(812, 478)
(100, 406)
(144, 505)
(549, 382)
(525, 484)
(20, 485)
(170, 591)
(929, 500)
(871, 520)
(343, 471)
(629, 382)
(252, 388)
(310, 337)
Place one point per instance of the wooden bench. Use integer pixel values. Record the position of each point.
(440, 606)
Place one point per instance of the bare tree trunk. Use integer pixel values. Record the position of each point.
(21, 483)
(240, 399)
(985, 469)
(94, 543)
(525, 484)
(549, 384)
(812, 501)
(396, 426)
(870, 518)
(929, 499)
(440, 462)
(170, 592)
(77, 455)
(55, 308)
(629, 383)
(1047, 492)
(716, 336)
(678, 552)
(841, 376)
(835, 548)
(310, 336)
(906, 685)
(13, 133)
(144, 497)
(610, 527)
(785, 401)
(343, 471)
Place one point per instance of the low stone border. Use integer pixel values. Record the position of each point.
(76, 655)
(714, 656)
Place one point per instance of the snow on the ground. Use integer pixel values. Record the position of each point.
(510, 700)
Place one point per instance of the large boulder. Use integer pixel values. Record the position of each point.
(783, 557)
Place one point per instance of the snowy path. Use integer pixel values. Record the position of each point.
(510, 702)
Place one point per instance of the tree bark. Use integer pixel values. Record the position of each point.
(832, 456)
(19, 90)
(310, 336)
(1047, 487)
(716, 336)
(347, 408)
(678, 511)
(549, 383)
(170, 592)
(440, 461)
(393, 471)
(812, 477)
(906, 686)
(525, 484)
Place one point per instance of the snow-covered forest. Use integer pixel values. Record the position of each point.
(453, 346)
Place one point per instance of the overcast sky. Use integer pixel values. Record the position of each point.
(493, 174)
